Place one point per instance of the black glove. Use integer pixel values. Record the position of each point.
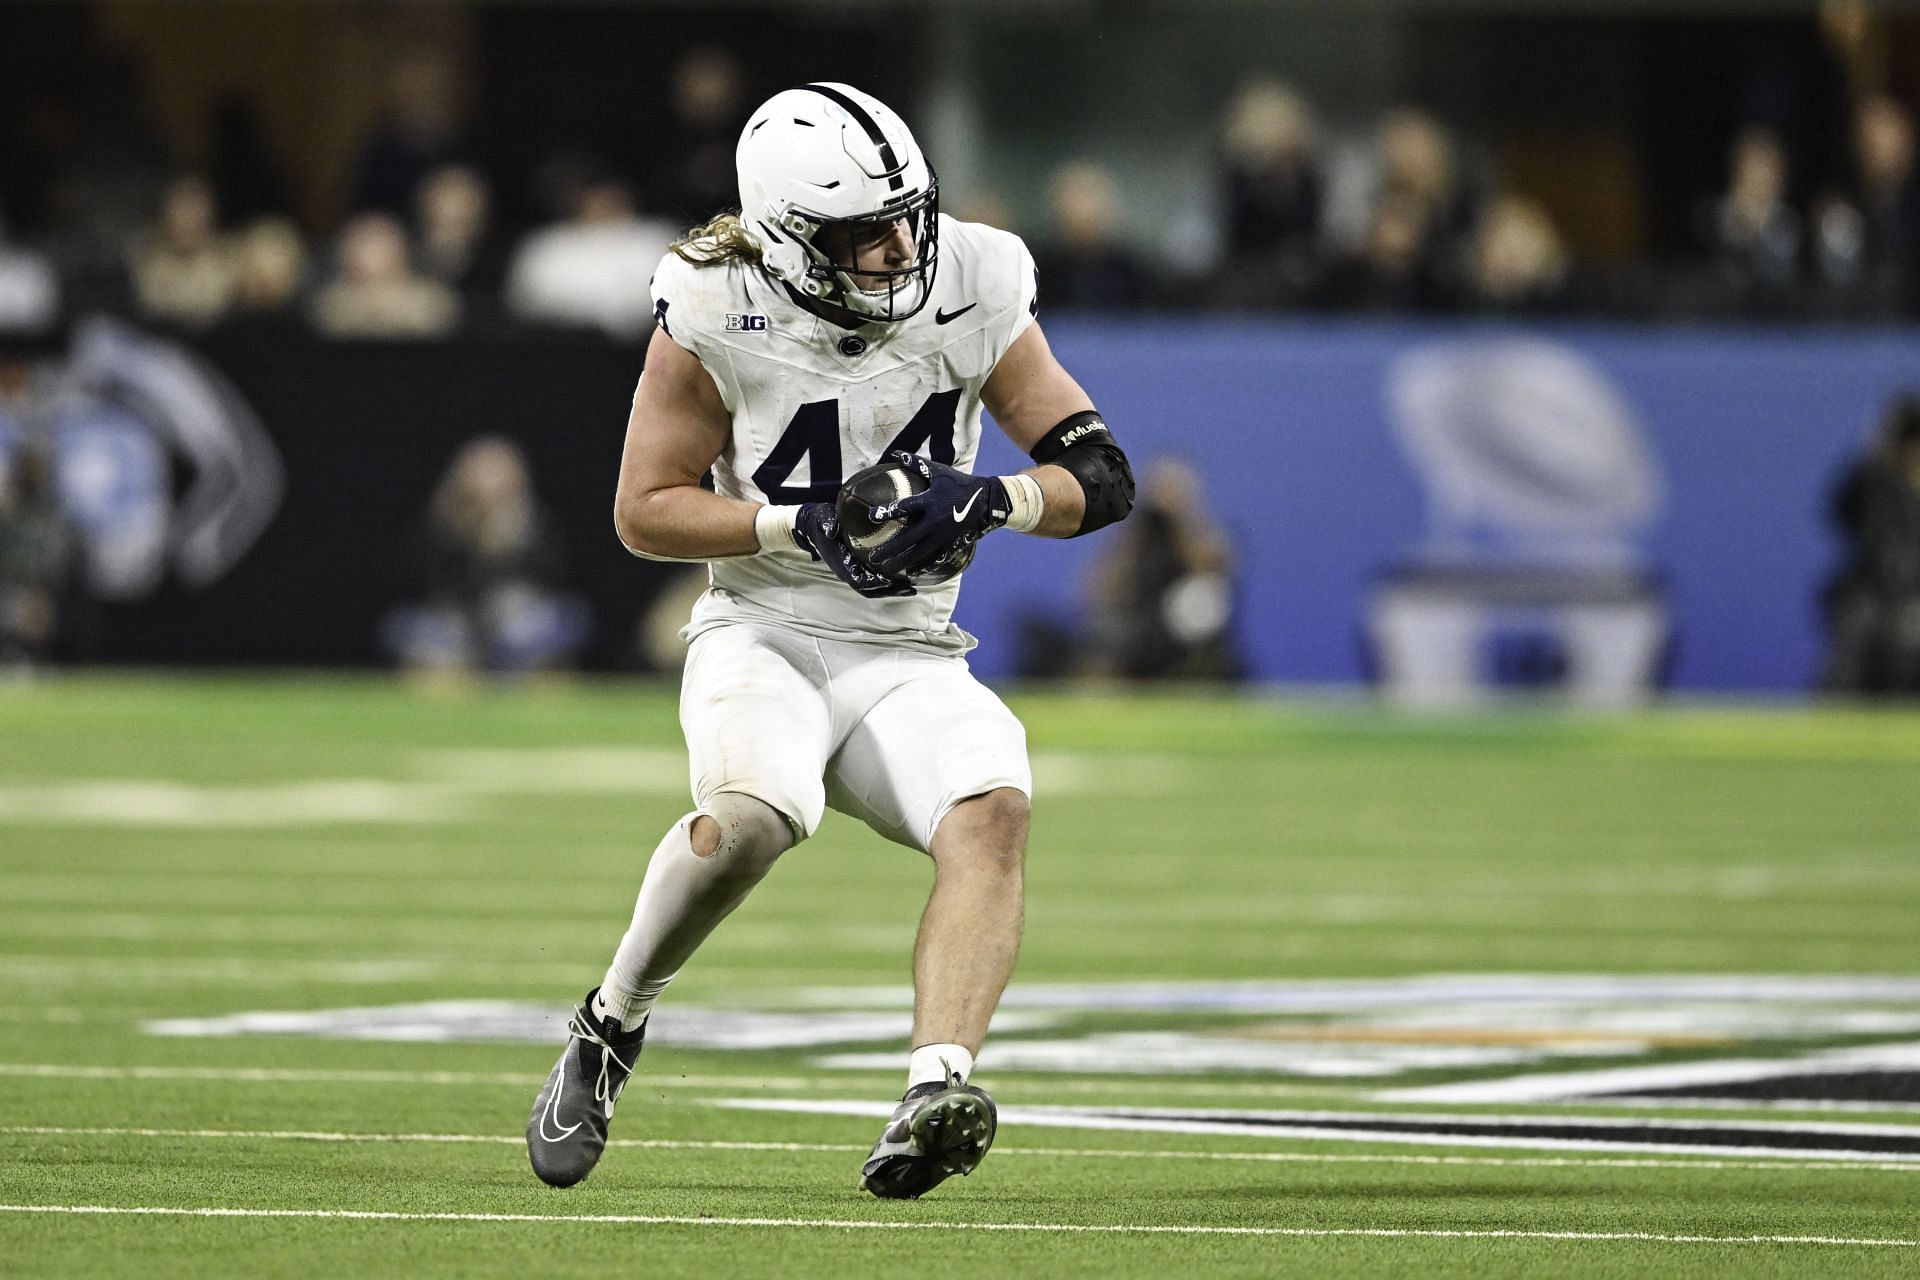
(817, 530)
(955, 508)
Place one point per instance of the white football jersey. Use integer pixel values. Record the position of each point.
(812, 403)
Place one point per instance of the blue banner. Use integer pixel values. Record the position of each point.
(1334, 452)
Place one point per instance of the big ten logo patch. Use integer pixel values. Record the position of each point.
(738, 323)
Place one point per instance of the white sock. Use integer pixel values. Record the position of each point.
(684, 896)
(935, 1062)
(629, 1008)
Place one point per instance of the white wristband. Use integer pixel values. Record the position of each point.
(773, 526)
(1025, 502)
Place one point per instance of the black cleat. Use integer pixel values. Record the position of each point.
(938, 1130)
(568, 1128)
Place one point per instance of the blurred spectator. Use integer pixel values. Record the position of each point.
(1873, 604)
(377, 293)
(183, 270)
(1084, 264)
(270, 268)
(1889, 200)
(1839, 241)
(29, 289)
(592, 269)
(693, 177)
(489, 567)
(1392, 271)
(1162, 594)
(1418, 162)
(457, 242)
(420, 132)
(1752, 231)
(983, 205)
(1273, 195)
(38, 560)
(1516, 262)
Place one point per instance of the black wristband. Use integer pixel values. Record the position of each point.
(1075, 428)
(1081, 445)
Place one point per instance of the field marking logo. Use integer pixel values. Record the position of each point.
(1755, 1042)
(513, 1022)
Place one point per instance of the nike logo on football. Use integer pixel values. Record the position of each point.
(960, 513)
(948, 317)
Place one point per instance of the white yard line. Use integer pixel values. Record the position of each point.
(854, 1224)
(461, 785)
(1352, 995)
(1563, 1086)
(851, 1081)
(30, 970)
(298, 1075)
(847, 1081)
(1074, 1153)
(1306, 1126)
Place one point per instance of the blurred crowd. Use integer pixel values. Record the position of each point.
(436, 233)
(1414, 219)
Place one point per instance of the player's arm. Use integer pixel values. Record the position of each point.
(1081, 480)
(1084, 479)
(678, 427)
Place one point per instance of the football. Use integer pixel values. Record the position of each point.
(869, 487)
(889, 482)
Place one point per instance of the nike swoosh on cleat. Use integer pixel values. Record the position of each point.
(948, 317)
(960, 513)
(553, 1113)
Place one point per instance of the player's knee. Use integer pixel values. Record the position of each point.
(1007, 810)
(748, 835)
(986, 832)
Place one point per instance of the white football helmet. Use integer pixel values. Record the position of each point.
(825, 155)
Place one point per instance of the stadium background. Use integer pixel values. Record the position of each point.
(1213, 194)
(1553, 326)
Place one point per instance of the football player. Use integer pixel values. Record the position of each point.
(838, 319)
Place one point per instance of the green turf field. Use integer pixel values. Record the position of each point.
(183, 851)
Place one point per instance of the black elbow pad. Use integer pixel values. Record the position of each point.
(1082, 446)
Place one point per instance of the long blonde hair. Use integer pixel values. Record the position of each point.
(723, 239)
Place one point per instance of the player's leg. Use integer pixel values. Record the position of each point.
(757, 730)
(970, 932)
(939, 764)
(704, 868)
(757, 737)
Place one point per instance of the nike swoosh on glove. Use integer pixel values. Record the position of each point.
(817, 531)
(955, 508)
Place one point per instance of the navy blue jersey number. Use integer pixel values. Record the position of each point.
(814, 434)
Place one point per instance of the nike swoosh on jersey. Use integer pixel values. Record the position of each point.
(960, 513)
(948, 317)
